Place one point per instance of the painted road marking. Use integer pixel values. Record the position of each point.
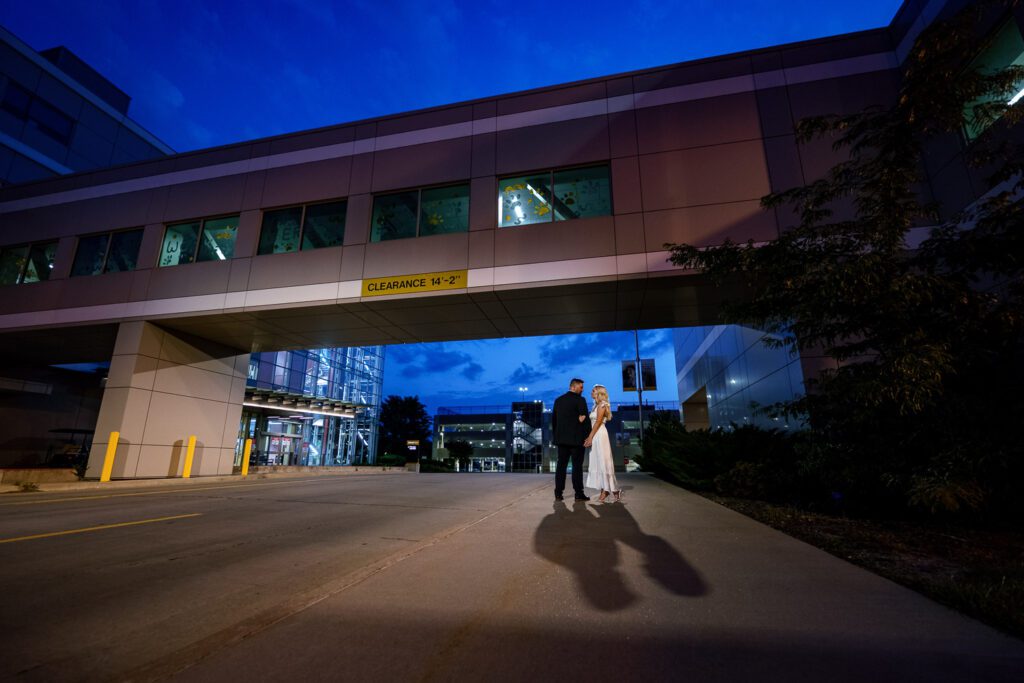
(97, 528)
(158, 493)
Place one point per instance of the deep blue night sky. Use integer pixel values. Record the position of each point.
(206, 73)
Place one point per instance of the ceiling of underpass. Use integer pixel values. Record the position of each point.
(595, 306)
(560, 309)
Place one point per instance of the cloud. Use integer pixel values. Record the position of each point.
(473, 371)
(428, 359)
(526, 374)
(573, 350)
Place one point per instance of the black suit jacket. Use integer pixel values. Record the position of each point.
(566, 427)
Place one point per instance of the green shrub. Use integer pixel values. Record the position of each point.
(430, 465)
(392, 460)
(743, 462)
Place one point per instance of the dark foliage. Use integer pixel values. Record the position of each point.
(402, 419)
(391, 460)
(922, 408)
(461, 451)
(743, 461)
(431, 465)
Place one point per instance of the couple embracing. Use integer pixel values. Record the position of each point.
(574, 430)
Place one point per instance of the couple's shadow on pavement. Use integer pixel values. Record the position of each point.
(582, 538)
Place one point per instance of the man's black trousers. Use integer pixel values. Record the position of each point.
(564, 454)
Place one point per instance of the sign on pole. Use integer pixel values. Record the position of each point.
(648, 378)
(628, 375)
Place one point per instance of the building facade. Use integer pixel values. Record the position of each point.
(728, 376)
(517, 438)
(58, 115)
(541, 212)
(314, 408)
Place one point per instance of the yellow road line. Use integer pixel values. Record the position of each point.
(186, 489)
(97, 528)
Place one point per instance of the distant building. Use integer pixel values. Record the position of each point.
(518, 438)
(58, 115)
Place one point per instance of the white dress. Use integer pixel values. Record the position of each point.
(601, 468)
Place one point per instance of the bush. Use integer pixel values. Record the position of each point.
(743, 462)
(430, 465)
(391, 460)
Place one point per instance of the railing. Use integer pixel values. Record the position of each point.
(507, 409)
(475, 410)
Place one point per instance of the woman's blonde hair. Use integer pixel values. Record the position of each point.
(602, 395)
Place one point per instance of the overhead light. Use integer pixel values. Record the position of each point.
(310, 411)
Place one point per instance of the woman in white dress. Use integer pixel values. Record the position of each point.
(601, 469)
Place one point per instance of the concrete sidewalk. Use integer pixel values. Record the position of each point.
(667, 586)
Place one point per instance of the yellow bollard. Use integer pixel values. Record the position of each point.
(245, 457)
(108, 459)
(189, 454)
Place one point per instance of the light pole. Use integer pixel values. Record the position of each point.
(522, 393)
(639, 387)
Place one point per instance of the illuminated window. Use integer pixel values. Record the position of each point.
(107, 253)
(212, 239)
(418, 213)
(26, 263)
(1005, 50)
(554, 196)
(303, 227)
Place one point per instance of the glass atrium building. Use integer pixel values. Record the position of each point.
(312, 408)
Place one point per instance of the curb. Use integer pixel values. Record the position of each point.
(53, 487)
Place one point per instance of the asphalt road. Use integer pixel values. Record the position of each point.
(437, 577)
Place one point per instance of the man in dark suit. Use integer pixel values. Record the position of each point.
(570, 425)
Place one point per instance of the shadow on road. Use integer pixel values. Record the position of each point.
(583, 538)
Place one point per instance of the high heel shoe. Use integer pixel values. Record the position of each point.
(604, 494)
(618, 496)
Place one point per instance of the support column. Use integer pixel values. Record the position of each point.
(162, 387)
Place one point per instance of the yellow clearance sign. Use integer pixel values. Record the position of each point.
(407, 284)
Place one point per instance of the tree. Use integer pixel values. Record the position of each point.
(928, 340)
(461, 451)
(403, 419)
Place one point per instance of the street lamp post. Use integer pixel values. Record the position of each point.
(522, 393)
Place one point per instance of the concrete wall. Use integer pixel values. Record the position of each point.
(161, 390)
(36, 400)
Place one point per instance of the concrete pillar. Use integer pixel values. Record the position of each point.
(162, 387)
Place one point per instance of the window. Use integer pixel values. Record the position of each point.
(554, 196)
(107, 253)
(26, 263)
(303, 227)
(211, 239)
(417, 213)
(16, 100)
(1005, 50)
(37, 112)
